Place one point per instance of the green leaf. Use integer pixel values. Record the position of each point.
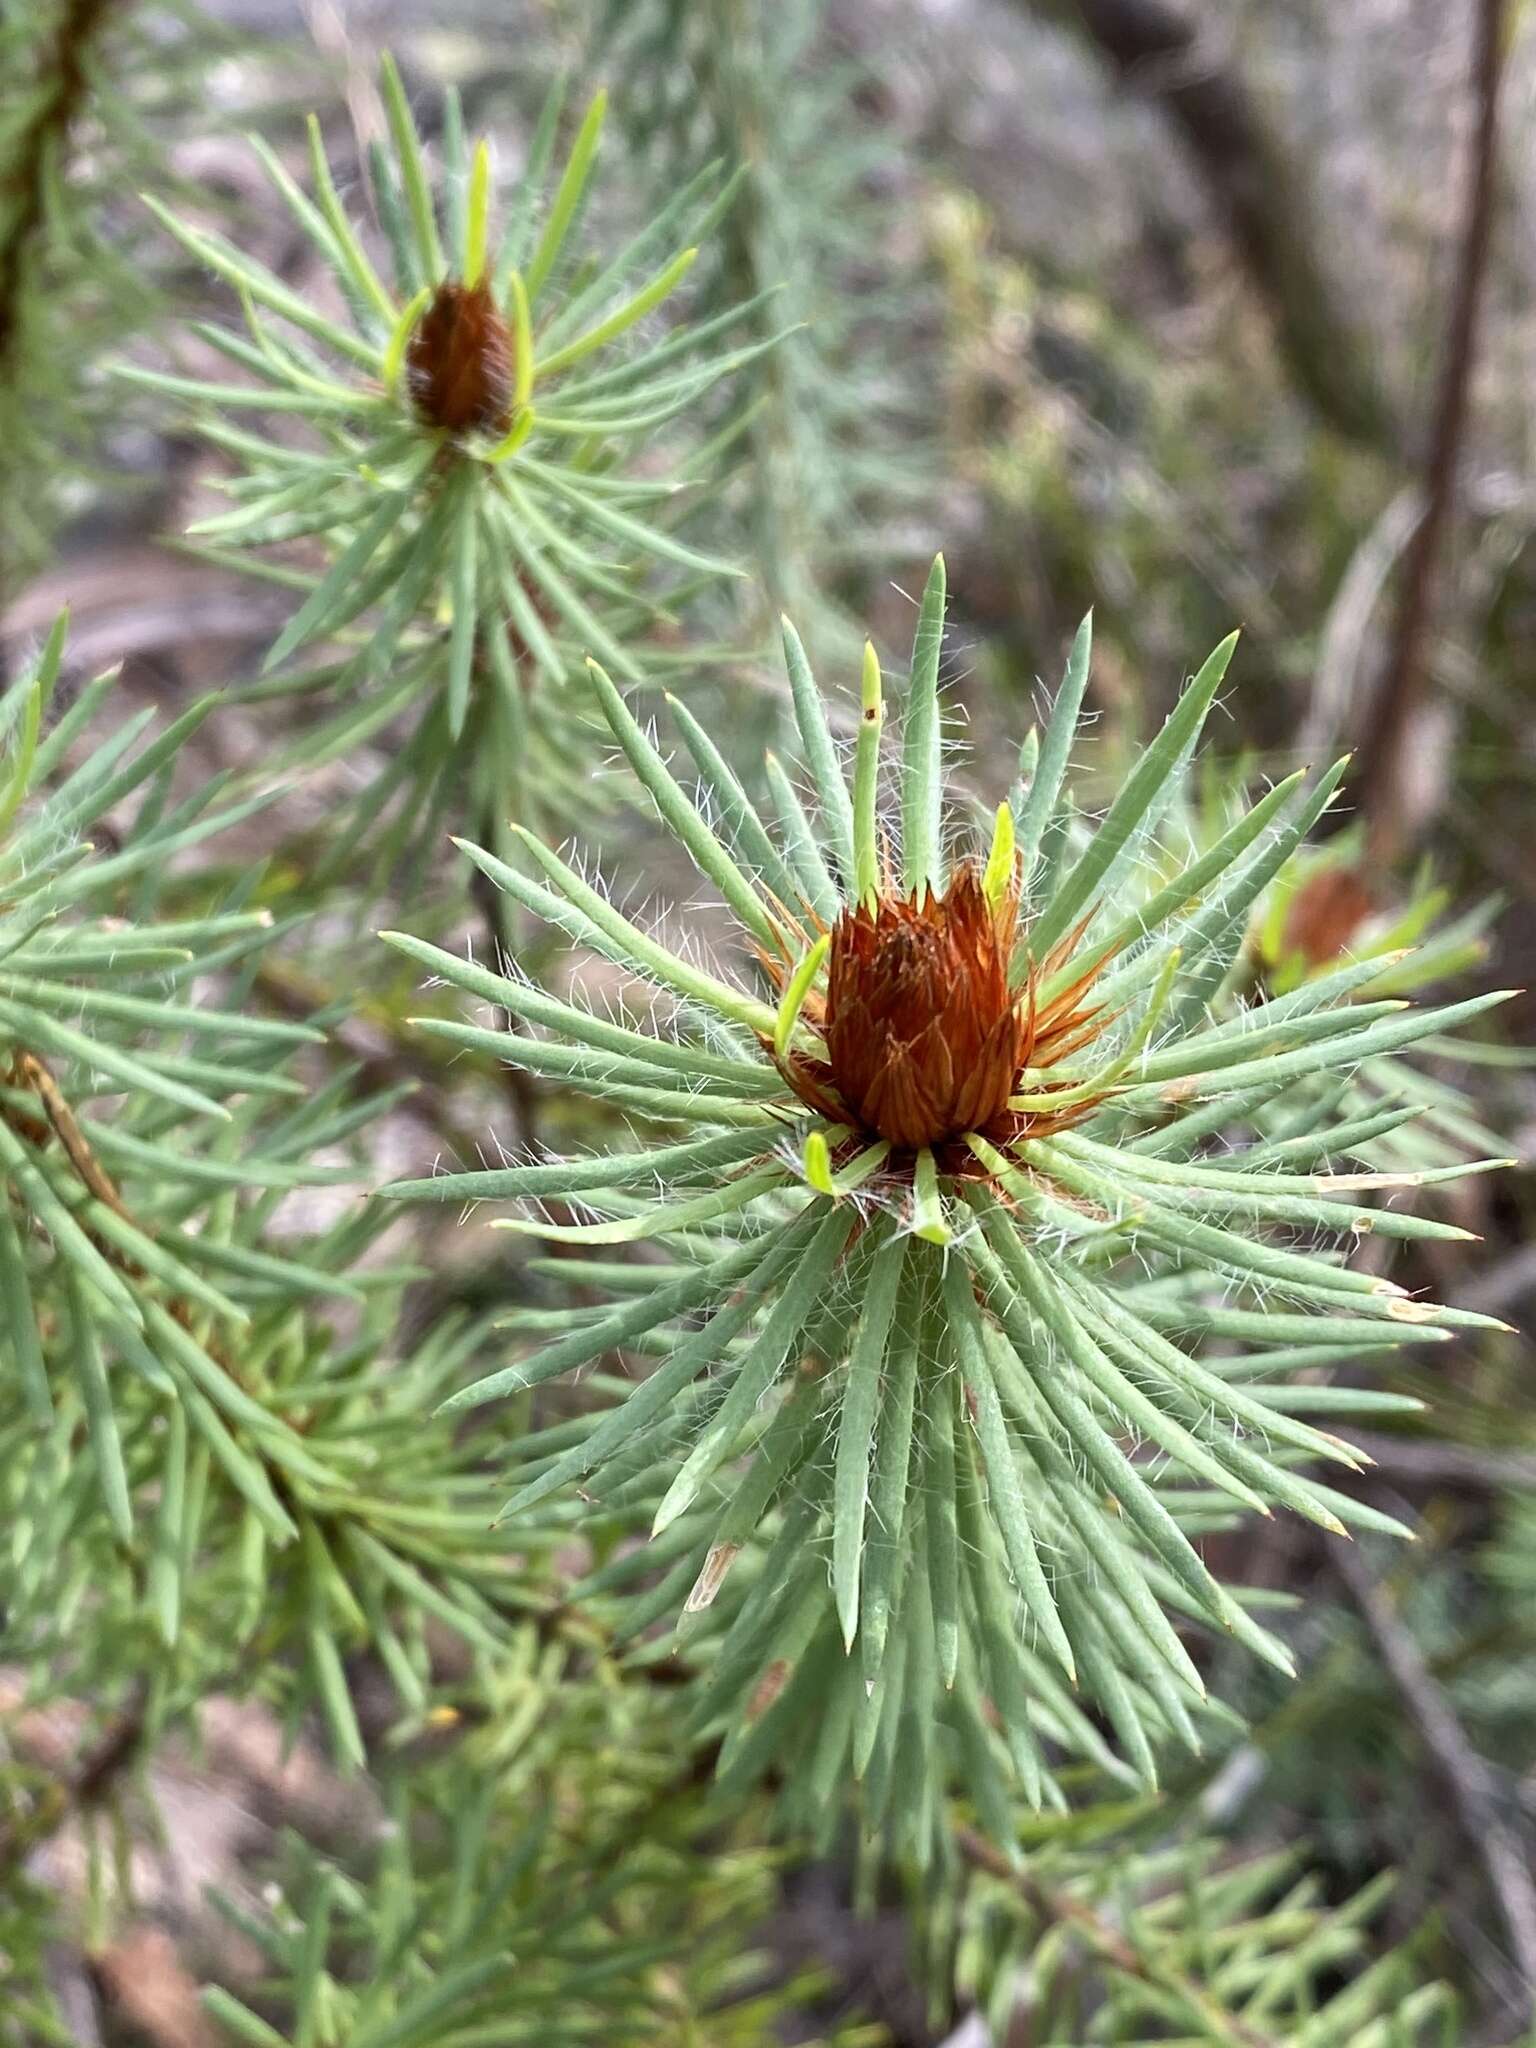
(698, 1352)
(759, 1366)
(622, 318)
(856, 1430)
(677, 811)
(998, 1460)
(884, 1552)
(821, 754)
(922, 772)
(1039, 804)
(429, 249)
(866, 776)
(100, 1417)
(568, 194)
(463, 584)
(620, 939)
(21, 1318)
(1140, 797)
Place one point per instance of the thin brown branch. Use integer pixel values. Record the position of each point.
(34, 1073)
(1174, 59)
(1461, 1466)
(78, 1790)
(1387, 777)
(31, 1072)
(27, 181)
(1108, 1943)
(66, 84)
(1479, 1808)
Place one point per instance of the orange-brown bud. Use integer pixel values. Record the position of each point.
(459, 365)
(922, 1031)
(1324, 916)
(927, 1023)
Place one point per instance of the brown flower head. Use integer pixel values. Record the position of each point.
(459, 364)
(926, 1024)
(1325, 914)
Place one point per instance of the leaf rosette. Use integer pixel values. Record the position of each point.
(469, 417)
(955, 1209)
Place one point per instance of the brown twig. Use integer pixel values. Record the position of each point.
(1386, 778)
(1172, 55)
(77, 1791)
(32, 1072)
(28, 180)
(1410, 1463)
(1467, 1778)
(29, 1071)
(50, 123)
(1108, 1943)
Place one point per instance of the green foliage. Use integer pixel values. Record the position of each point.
(1317, 914)
(469, 561)
(980, 1255)
(940, 1359)
(123, 1227)
(558, 1899)
(222, 1471)
(841, 432)
(233, 1421)
(1117, 1941)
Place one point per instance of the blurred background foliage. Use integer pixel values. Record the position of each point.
(1139, 304)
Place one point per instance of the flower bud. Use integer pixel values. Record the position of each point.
(459, 365)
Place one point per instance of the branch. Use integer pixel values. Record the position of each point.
(1387, 768)
(1258, 188)
(76, 1791)
(496, 919)
(1467, 1778)
(28, 178)
(1407, 1461)
(1108, 1943)
(27, 181)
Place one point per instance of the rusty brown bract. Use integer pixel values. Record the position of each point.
(459, 364)
(922, 1032)
(1324, 916)
(927, 1027)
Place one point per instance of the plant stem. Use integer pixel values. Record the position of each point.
(1467, 1778)
(1388, 775)
(1179, 61)
(56, 112)
(27, 182)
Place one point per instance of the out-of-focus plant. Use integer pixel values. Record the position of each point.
(560, 1888)
(1164, 1941)
(137, 1122)
(1318, 914)
(89, 92)
(470, 477)
(841, 432)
